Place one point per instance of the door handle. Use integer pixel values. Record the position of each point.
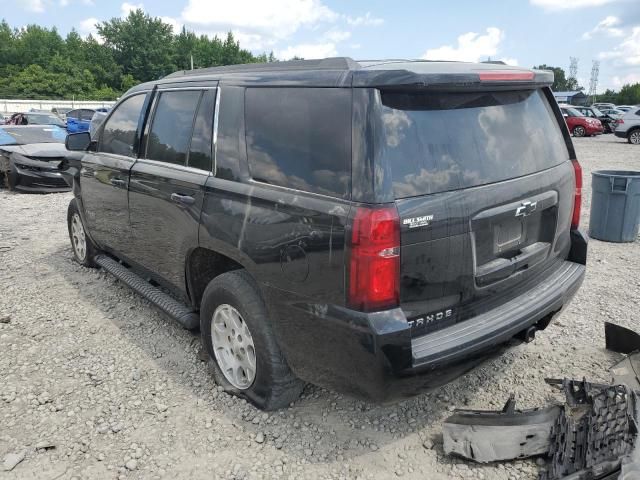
(117, 182)
(182, 199)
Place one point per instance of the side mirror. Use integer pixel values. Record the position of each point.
(78, 142)
(565, 115)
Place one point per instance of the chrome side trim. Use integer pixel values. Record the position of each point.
(296, 191)
(216, 110)
(178, 89)
(172, 166)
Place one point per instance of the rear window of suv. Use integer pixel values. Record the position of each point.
(436, 142)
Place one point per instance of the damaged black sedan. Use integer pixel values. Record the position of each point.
(30, 158)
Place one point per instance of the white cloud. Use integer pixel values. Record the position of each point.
(277, 18)
(627, 53)
(88, 26)
(36, 6)
(308, 51)
(471, 47)
(364, 20)
(175, 24)
(608, 26)
(127, 8)
(337, 36)
(619, 81)
(569, 4)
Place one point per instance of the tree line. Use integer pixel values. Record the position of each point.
(38, 63)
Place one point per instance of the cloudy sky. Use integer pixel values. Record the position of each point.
(522, 32)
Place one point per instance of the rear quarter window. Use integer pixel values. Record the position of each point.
(436, 142)
(300, 138)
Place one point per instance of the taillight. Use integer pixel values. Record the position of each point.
(577, 196)
(620, 121)
(374, 259)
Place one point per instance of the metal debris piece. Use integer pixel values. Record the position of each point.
(488, 436)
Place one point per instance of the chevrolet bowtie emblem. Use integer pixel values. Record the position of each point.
(526, 209)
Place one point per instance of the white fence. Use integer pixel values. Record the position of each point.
(13, 106)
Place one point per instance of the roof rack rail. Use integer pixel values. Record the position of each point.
(336, 63)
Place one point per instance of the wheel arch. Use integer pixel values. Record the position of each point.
(202, 266)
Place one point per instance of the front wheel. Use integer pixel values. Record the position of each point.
(83, 249)
(244, 355)
(634, 137)
(579, 131)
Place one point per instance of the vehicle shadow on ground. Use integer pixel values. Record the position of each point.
(321, 427)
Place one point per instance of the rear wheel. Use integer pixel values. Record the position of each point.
(634, 136)
(84, 250)
(244, 355)
(579, 131)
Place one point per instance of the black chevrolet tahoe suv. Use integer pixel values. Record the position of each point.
(372, 227)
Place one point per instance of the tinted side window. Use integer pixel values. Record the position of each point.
(120, 130)
(300, 138)
(172, 126)
(74, 114)
(200, 152)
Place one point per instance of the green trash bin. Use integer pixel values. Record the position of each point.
(615, 205)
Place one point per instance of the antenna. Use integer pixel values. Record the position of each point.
(573, 68)
(593, 83)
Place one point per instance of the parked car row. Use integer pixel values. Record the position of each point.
(75, 121)
(623, 120)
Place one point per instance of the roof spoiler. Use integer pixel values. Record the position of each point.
(511, 78)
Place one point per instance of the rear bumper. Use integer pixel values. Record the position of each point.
(620, 134)
(497, 326)
(373, 356)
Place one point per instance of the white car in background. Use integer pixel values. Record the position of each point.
(629, 126)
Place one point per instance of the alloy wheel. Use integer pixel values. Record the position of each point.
(78, 237)
(635, 137)
(233, 346)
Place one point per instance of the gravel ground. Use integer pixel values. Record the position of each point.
(95, 383)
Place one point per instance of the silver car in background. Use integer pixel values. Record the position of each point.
(629, 126)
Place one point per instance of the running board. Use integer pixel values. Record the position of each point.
(179, 311)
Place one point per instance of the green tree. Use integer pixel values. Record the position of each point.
(560, 81)
(36, 62)
(629, 94)
(141, 44)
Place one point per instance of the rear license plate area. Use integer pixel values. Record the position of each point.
(508, 234)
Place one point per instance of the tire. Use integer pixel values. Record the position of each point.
(78, 236)
(579, 131)
(232, 303)
(633, 136)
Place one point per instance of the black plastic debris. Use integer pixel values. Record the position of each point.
(595, 430)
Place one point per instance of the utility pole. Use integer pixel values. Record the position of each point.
(191, 62)
(593, 83)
